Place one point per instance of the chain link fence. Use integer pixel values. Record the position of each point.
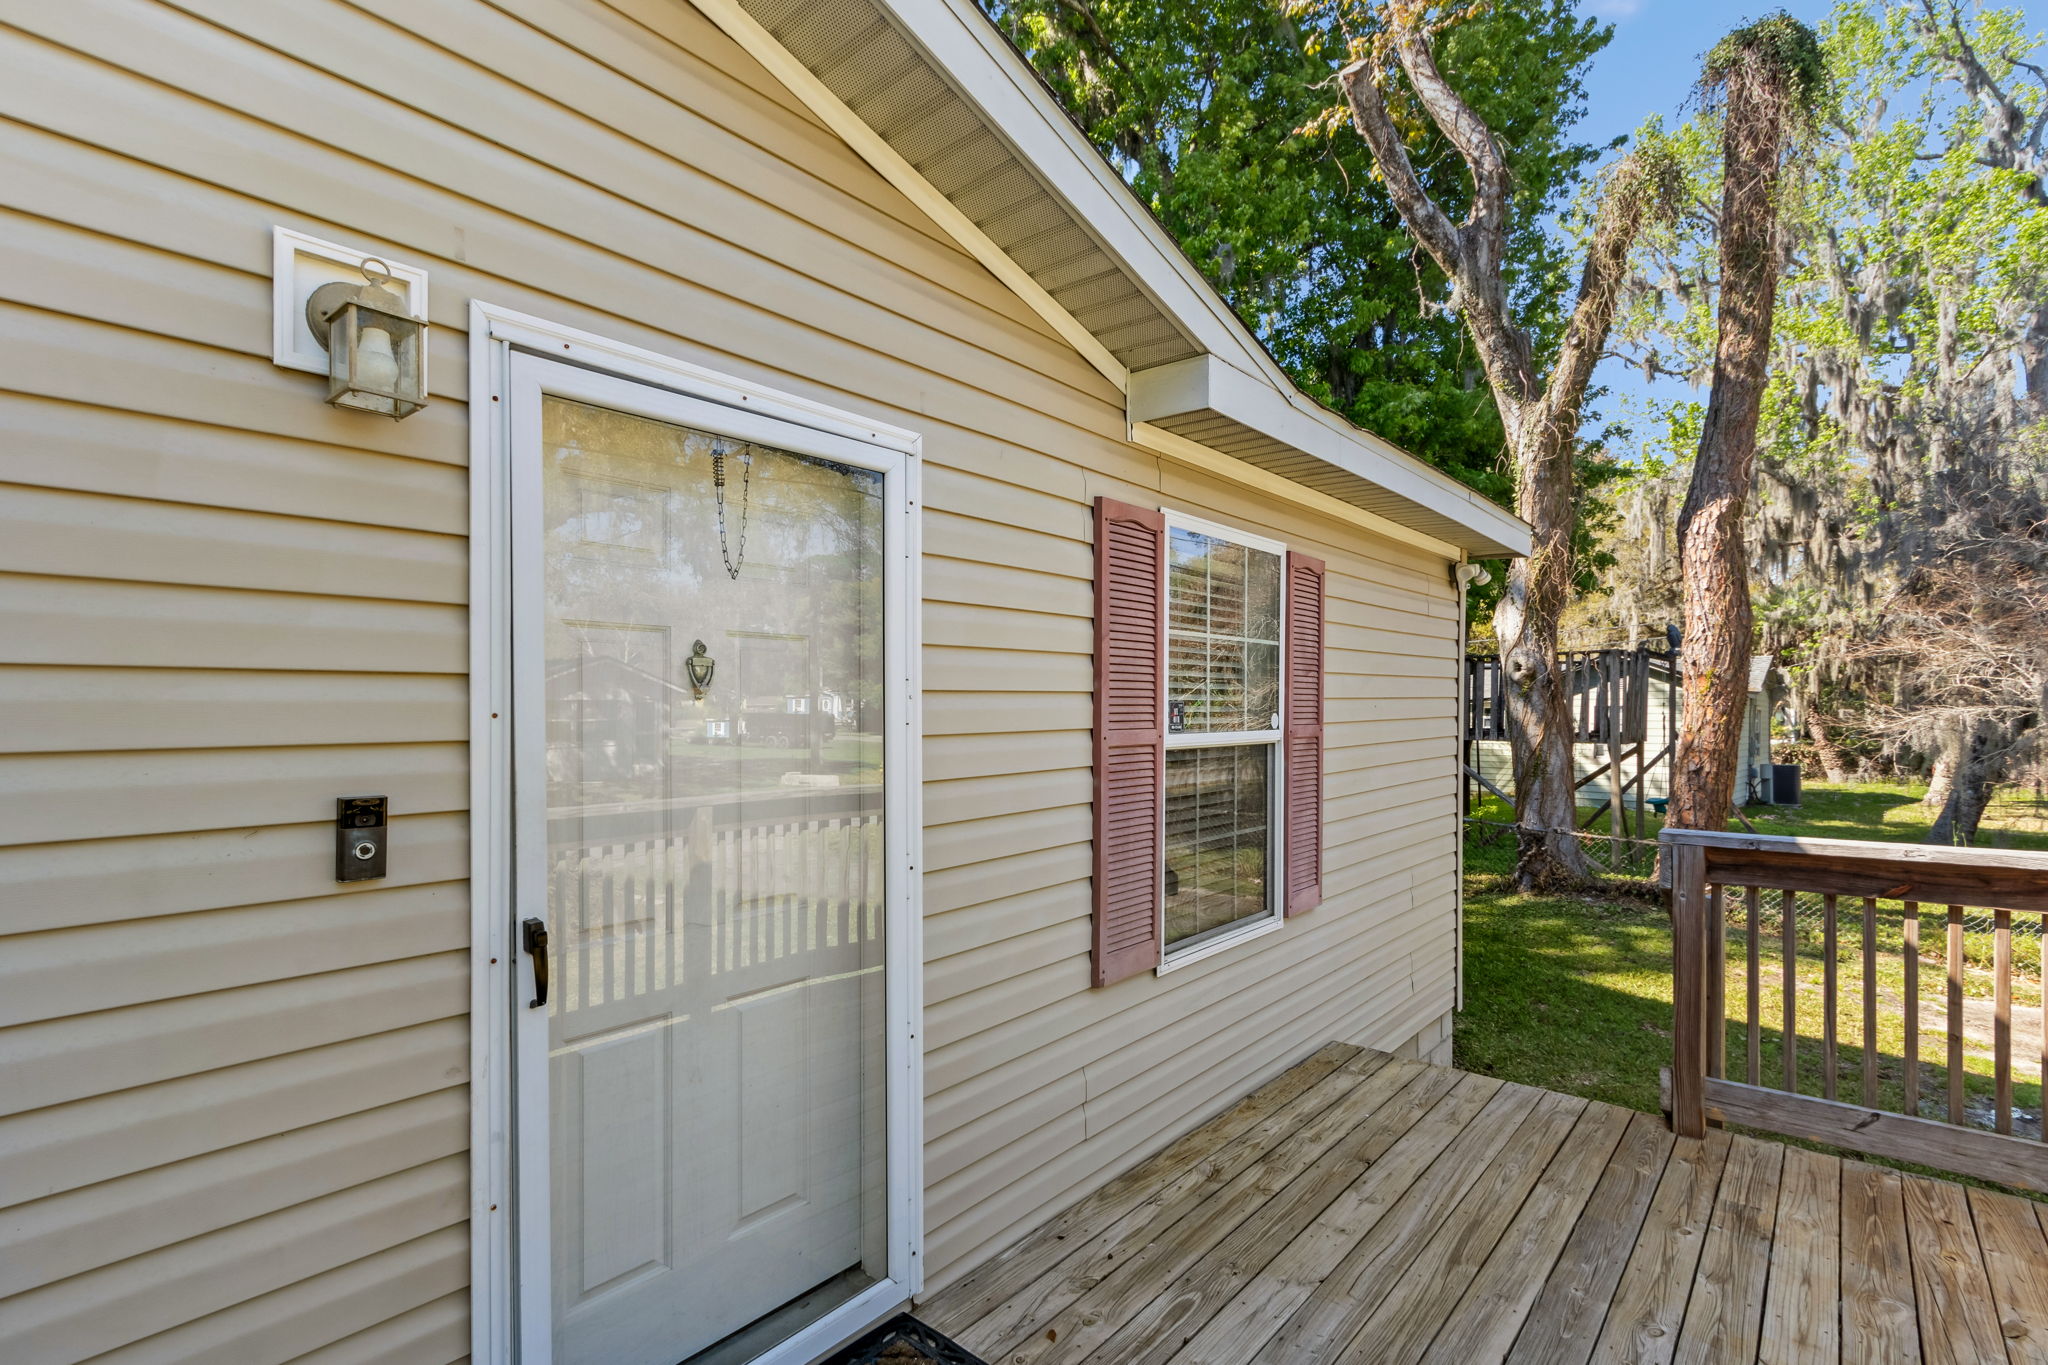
(1490, 847)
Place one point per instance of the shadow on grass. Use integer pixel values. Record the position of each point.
(1573, 994)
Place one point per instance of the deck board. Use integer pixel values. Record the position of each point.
(1490, 1316)
(1363, 1209)
(1648, 1310)
(1103, 1294)
(1572, 1308)
(1803, 1300)
(1879, 1318)
(1724, 1319)
(2016, 1260)
(1249, 1320)
(1950, 1285)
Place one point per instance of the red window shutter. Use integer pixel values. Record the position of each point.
(1304, 737)
(1130, 736)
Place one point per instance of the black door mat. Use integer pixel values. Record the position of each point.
(903, 1340)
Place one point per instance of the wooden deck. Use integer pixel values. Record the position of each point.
(1363, 1208)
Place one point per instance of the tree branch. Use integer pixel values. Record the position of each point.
(1639, 184)
(1430, 224)
(1485, 226)
(1472, 253)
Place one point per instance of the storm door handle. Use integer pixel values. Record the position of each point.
(535, 936)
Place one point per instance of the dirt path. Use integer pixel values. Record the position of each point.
(1980, 1025)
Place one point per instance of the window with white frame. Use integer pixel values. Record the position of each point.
(1224, 618)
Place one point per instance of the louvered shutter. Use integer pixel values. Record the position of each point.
(1130, 736)
(1304, 736)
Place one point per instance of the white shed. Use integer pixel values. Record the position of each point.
(1660, 703)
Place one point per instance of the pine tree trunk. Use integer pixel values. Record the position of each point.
(1833, 762)
(1718, 619)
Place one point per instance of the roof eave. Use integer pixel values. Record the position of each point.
(992, 80)
(1217, 405)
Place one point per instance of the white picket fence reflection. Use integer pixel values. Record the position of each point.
(630, 917)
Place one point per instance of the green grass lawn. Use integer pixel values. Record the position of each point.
(1857, 810)
(1573, 993)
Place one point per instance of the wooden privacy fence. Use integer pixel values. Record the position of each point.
(1608, 692)
(749, 901)
(1743, 954)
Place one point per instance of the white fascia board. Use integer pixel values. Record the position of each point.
(988, 72)
(1198, 456)
(1207, 383)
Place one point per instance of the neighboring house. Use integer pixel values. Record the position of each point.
(782, 358)
(1647, 737)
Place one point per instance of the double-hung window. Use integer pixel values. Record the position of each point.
(1225, 616)
(1208, 737)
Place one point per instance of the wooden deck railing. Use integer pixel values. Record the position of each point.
(1867, 901)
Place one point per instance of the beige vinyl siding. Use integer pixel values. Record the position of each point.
(236, 1124)
(1037, 1086)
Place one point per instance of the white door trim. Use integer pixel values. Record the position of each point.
(498, 971)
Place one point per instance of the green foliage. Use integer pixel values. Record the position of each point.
(1781, 44)
(1903, 246)
(1201, 104)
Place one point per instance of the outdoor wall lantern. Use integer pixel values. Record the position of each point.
(700, 666)
(374, 347)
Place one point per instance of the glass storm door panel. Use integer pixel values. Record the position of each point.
(712, 633)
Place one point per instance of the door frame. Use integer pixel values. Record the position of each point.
(509, 1311)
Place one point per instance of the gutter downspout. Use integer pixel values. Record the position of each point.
(1461, 574)
(1464, 573)
(1464, 723)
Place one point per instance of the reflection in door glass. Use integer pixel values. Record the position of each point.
(714, 765)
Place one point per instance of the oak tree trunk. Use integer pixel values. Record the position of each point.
(1534, 685)
(1969, 793)
(1540, 417)
(1940, 782)
(1833, 762)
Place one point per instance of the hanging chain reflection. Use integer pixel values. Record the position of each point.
(732, 565)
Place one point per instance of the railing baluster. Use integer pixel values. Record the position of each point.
(1870, 1002)
(1788, 934)
(629, 901)
(2042, 971)
(2001, 1023)
(1717, 982)
(1691, 917)
(1912, 928)
(586, 966)
(1955, 1014)
(615, 912)
(1752, 906)
(1994, 1141)
(1830, 1054)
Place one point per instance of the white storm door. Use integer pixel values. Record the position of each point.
(704, 805)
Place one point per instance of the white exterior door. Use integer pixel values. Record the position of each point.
(702, 823)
